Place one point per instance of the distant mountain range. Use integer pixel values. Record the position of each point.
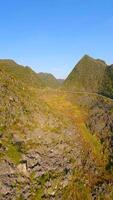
(49, 80)
(28, 76)
(25, 74)
(88, 75)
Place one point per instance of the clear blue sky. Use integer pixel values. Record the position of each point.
(52, 35)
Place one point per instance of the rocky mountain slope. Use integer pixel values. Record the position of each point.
(54, 144)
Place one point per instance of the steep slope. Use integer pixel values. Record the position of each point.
(49, 80)
(87, 75)
(47, 149)
(25, 74)
(107, 85)
(54, 144)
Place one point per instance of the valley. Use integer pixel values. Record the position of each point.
(56, 141)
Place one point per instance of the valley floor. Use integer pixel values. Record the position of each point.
(56, 153)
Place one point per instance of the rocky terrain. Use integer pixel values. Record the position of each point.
(55, 144)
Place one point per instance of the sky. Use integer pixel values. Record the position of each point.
(52, 35)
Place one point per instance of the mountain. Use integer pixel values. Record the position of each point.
(28, 76)
(60, 81)
(25, 74)
(54, 144)
(107, 84)
(49, 80)
(87, 75)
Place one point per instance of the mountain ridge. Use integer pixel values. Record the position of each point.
(24, 73)
(54, 144)
(49, 79)
(89, 75)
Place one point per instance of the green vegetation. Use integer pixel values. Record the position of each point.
(49, 80)
(25, 74)
(92, 143)
(44, 178)
(38, 195)
(76, 191)
(91, 75)
(61, 141)
(86, 76)
(107, 85)
(13, 154)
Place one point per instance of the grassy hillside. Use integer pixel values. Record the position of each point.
(61, 81)
(87, 75)
(25, 74)
(53, 144)
(91, 75)
(107, 85)
(49, 80)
